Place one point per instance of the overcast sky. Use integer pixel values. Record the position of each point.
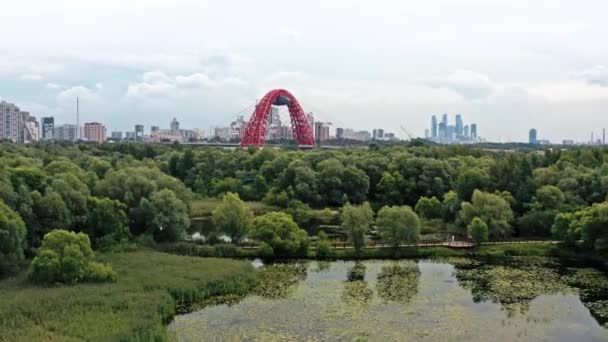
(507, 65)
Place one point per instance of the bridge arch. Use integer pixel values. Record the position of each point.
(255, 133)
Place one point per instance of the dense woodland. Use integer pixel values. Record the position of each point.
(124, 192)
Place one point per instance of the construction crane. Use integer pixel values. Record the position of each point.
(406, 132)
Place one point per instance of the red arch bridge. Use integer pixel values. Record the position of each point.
(255, 133)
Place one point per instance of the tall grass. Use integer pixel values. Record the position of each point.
(150, 287)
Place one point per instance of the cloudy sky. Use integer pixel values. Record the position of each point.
(507, 65)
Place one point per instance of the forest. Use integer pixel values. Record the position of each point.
(142, 193)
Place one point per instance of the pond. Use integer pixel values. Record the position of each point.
(454, 299)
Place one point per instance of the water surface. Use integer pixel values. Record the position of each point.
(450, 300)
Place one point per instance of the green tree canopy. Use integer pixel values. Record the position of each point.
(12, 239)
(492, 209)
(171, 216)
(478, 230)
(429, 208)
(357, 220)
(233, 217)
(281, 233)
(398, 225)
(107, 221)
(67, 257)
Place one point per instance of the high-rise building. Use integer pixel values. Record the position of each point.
(378, 133)
(311, 122)
(65, 132)
(116, 135)
(444, 121)
(339, 133)
(474, 132)
(10, 121)
(154, 129)
(459, 126)
(47, 127)
(442, 130)
(427, 133)
(532, 136)
(174, 127)
(94, 131)
(31, 127)
(433, 126)
(321, 131)
(130, 136)
(450, 133)
(139, 132)
(465, 131)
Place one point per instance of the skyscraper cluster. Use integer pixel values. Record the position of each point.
(446, 133)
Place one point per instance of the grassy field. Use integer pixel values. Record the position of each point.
(150, 287)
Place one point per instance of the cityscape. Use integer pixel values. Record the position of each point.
(23, 127)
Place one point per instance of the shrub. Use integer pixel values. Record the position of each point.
(67, 257)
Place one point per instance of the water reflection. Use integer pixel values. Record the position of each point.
(454, 299)
(398, 282)
(514, 286)
(357, 272)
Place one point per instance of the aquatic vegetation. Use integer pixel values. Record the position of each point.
(398, 282)
(512, 287)
(410, 301)
(357, 293)
(280, 280)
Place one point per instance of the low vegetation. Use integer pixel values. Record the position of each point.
(150, 288)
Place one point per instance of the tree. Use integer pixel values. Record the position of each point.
(429, 208)
(281, 233)
(233, 217)
(171, 217)
(323, 246)
(397, 225)
(492, 209)
(12, 239)
(549, 197)
(300, 212)
(450, 206)
(478, 231)
(357, 219)
(469, 181)
(107, 222)
(566, 227)
(67, 257)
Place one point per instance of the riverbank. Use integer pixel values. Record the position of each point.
(150, 289)
(548, 248)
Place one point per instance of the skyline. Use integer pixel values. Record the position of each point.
(499, 64)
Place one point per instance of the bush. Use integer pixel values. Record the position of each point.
(67, 257)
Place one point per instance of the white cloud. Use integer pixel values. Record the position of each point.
(597, 75)
(51, 85)
(31, 77)
(469, 84)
